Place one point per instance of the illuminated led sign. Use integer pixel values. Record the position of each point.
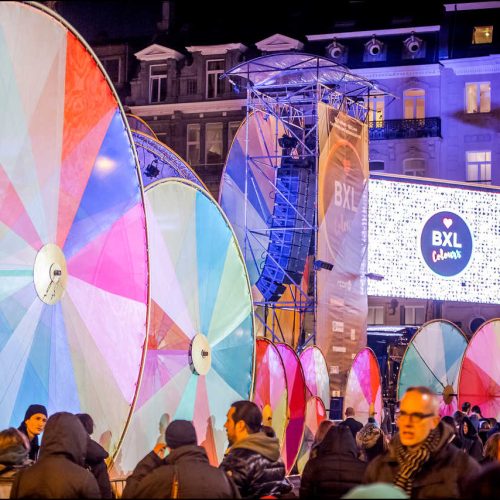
(431, 241)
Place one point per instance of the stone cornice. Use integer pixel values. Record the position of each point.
(370, 34)
(157, 52)
(473, 65)
(388, 72)
(212, 50)
(279, 42)
(189, 107)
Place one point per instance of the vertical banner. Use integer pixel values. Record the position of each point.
(342, 303)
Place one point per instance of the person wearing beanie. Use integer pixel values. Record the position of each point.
(32, 426)
(185, 472)
(14, 449)
(371, 442)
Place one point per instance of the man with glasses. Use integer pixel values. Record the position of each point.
(420, 459)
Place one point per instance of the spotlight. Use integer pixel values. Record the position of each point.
(321, 264)
(152, 169)
(287, 142)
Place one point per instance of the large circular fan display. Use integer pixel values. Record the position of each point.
(248, 187)
(137, 124)
(200, 352)
(73, 249)
(270, 389)
(433, 359)
(296, 386)
(315, 414)
(158, 161)
(364, 388)
(316, 373)
(479, 381)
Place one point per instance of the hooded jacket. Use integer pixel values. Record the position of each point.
(335, 469)
(95, 461)
(153, 476)
(255, 466)
(59, 472)
(444, 475)
(471, 443)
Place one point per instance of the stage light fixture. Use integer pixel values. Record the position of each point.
(152, 169)
(287, 142)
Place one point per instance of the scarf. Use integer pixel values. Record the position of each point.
(411, 461)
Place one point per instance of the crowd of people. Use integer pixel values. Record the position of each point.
(420, 456)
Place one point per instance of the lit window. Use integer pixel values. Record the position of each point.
(414, 166)
(376, 165)
(478, 97)
(215, 69)
(376, 109)
(157, 83)
(375, 315)
(414, 104)
(232, 128)
(482, 34)
(213, 143)
(479, 166)
(414, 315)
(112, 67)
(193, 144)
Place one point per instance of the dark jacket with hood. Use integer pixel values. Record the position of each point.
(95, 461)
(255, 466)
(471, 442)
(153, 476)
(12, 459)
(444, 475)
(34, 444)
(335, 469)
(59, 472)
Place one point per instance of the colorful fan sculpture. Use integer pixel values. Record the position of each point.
(201, 344)
(158, 161)
(73, 243)
(296, 412)
(433, 359)
(316, 373)
(247, 194)
(364, 389)
(315, 414)
(270, 389)
(137, 124)
(479, 380)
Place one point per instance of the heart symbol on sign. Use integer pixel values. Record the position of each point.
(447, 222)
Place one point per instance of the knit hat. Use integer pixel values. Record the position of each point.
(33, 410)
(368, 436)
(180, 433)
(376, 490)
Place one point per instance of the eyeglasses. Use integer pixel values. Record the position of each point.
(414, 417)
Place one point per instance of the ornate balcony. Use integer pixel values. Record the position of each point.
(405, 129)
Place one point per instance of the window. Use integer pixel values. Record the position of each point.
(112, 67)
(232, 128)
(193, 144)
(414, 104)
(157, 83)
(482, 34)
(414, 315)
(414, 166)
(213, 143)
(191, 86)
(478, 97)
(376, 110)
(215, 69)
(376, 165)
(375, 315)
(479, 166)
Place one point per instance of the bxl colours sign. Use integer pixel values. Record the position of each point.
(446, 243)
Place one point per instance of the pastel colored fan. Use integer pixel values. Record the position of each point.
(432, 359)
(479, 381)
(73, 245)
(200, 351)
(296, 411)
(270, 387)
(316, 373)
(364, 389)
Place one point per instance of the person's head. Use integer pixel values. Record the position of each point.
(466, 407)
(450, 421)
(371, 441)
(418, 415)
(87, 421)
(467, 428)
(180, 433)
(322, 431)
(349, 412)
(14, 447)
(476, 409)
(492, 447)
(35, 419)
(243, 418)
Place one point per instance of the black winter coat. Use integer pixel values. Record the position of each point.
(59, 472)
(34, 444)
(256, 468)
(335, 469)
(353, 425)
(444, 475)
(153, 476)
(94, 460)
